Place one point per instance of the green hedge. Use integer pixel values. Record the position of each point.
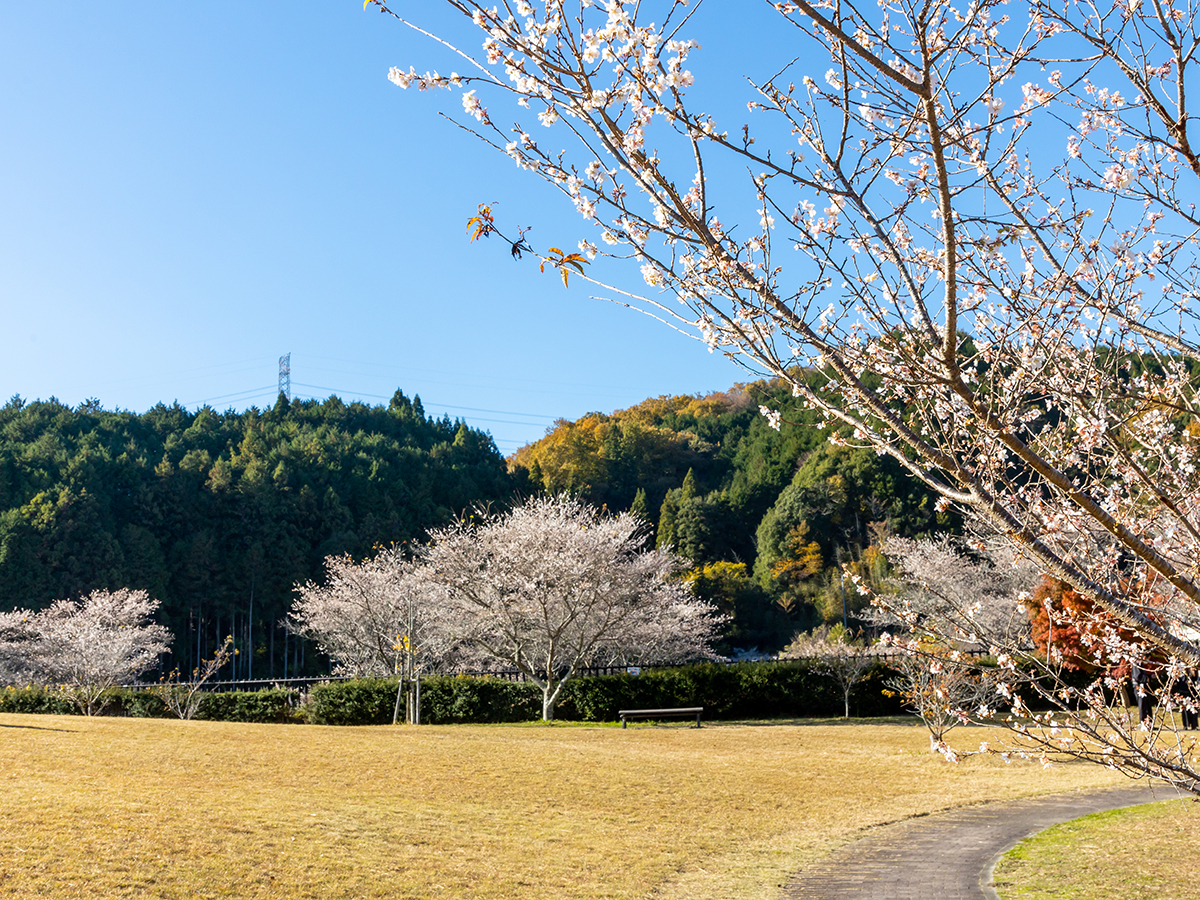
(793, 689)
(36, 700)
(776, 690)
(267, 705)
(458, 699)
(363, 701)
(445, 700)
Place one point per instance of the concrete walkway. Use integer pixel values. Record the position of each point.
(949, 856)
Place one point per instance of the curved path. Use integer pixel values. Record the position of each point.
(950, 855)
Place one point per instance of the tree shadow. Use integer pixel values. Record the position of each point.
(38, 728)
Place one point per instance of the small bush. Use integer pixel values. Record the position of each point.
(141, 705)
(363, 701)
(266, 705)
(446, 700)
(36, 700)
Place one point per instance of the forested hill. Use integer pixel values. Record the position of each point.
(218, 515)
(765, 515)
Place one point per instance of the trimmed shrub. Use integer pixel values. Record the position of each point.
(363, 701)
(444, 700)
(266, 705)
(459, 699)
(792, 689)
(37, 700)
(140, 704)
(771, 690)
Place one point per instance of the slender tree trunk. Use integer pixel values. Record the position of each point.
(250, 634)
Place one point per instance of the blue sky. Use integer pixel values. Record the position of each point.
(189, 191)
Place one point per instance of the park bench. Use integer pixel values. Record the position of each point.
(659, 714)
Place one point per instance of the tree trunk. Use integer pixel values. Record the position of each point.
(550, 696)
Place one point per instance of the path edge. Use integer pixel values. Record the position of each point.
(987, 874)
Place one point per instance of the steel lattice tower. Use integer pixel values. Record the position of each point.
(285, 376)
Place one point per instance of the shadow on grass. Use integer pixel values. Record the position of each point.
(38, 728)
(793, 723)
(719, 723)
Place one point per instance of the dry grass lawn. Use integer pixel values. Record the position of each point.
(155, 808)
(1141, 853)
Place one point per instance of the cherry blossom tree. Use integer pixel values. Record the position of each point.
(966, 237)
(844, 657)
(367, 614)
(15, 664)
(88, 646)
(981, 590)
(945, 689)
(555, 585)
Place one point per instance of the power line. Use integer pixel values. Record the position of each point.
(502, 412)
(246, 395)
(437, 372)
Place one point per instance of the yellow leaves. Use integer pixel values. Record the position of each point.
(484, 223)
(564, 262)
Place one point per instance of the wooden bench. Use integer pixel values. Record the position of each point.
(659, 714)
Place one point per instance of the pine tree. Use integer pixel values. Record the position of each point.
(641, 509)
(537, 481)
(666, 520)
(688, 491)
(639, 506)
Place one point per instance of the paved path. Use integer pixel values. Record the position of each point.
(948, 856)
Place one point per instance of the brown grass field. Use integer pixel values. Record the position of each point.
(1141, 853)
(155, 808)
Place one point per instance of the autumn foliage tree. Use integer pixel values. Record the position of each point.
(1058, 613)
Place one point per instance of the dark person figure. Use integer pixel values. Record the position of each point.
(1141, 692)
(1185, 691)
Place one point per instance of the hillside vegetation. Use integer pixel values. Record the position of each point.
(767, 516)
(218, 515)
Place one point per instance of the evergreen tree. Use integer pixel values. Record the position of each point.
(688, 491)
(666, 521)
(639, 506)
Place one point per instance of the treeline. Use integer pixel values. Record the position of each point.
(769, 517)
(219, 515)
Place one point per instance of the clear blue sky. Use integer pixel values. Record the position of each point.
(189, 191)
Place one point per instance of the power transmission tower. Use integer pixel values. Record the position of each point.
(285, 376)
